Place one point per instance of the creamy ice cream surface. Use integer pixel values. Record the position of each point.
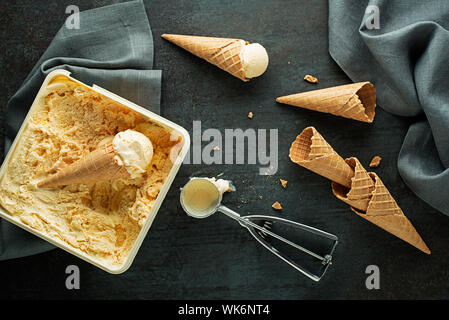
(254, 59)
(102, 219)
(135, 150)
(221, 184)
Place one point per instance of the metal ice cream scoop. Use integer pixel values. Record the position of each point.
(200, 198)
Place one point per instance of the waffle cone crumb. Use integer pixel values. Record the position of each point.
(375, 162)
(276, 206)
(284, 183)
(310, 79)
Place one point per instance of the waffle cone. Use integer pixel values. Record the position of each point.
(399, 226)
(222, 52)
(371, 200)
(353, 101)
(312, 152)
(362, 187)
(99, 165)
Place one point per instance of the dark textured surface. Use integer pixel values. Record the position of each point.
(214, 258)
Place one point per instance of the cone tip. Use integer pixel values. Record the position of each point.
(420, 244)
(284, 99)
(41, 184)
(171, 36)
(46, 183)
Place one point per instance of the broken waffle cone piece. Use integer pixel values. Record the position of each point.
(222, 52)
(375, 162)
(355, 101)
(372, 201)
(310, 79)
(99, 165)
(276, 206)
(312, 152)
(283, 183)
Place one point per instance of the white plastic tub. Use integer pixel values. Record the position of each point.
(149, 115)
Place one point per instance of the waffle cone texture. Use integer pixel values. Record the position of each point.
(355, 101)
(371, 200)
(99, 165)
(221, 52)
(312, 152)
(363, 191)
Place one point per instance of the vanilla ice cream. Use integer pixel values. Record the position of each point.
(134, 150)
(254, 59)
(221, 184)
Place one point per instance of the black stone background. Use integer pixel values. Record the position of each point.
(214, 258)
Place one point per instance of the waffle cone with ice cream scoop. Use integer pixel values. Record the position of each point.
(124, 157)
(236, 56)
(355, 101)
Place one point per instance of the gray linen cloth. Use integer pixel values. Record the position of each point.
(407, 60)
(113, 48)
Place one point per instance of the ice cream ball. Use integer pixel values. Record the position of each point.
(134, 150)
(254, 59)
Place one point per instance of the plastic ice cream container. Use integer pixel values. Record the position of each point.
(160, 197)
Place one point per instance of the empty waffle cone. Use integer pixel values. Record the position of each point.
(372, 201)
(99, 165)
(222, 52)
(311, 151)
(354, 101)
(362, 187)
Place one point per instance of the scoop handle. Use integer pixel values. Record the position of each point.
(251, 226)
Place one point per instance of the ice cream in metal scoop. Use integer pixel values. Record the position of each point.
(126, 156)
(201, 197)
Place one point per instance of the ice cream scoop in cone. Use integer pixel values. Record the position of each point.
(312, 152)
(124, 157)
(235, 56)
(354, 101)
(371, 200)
